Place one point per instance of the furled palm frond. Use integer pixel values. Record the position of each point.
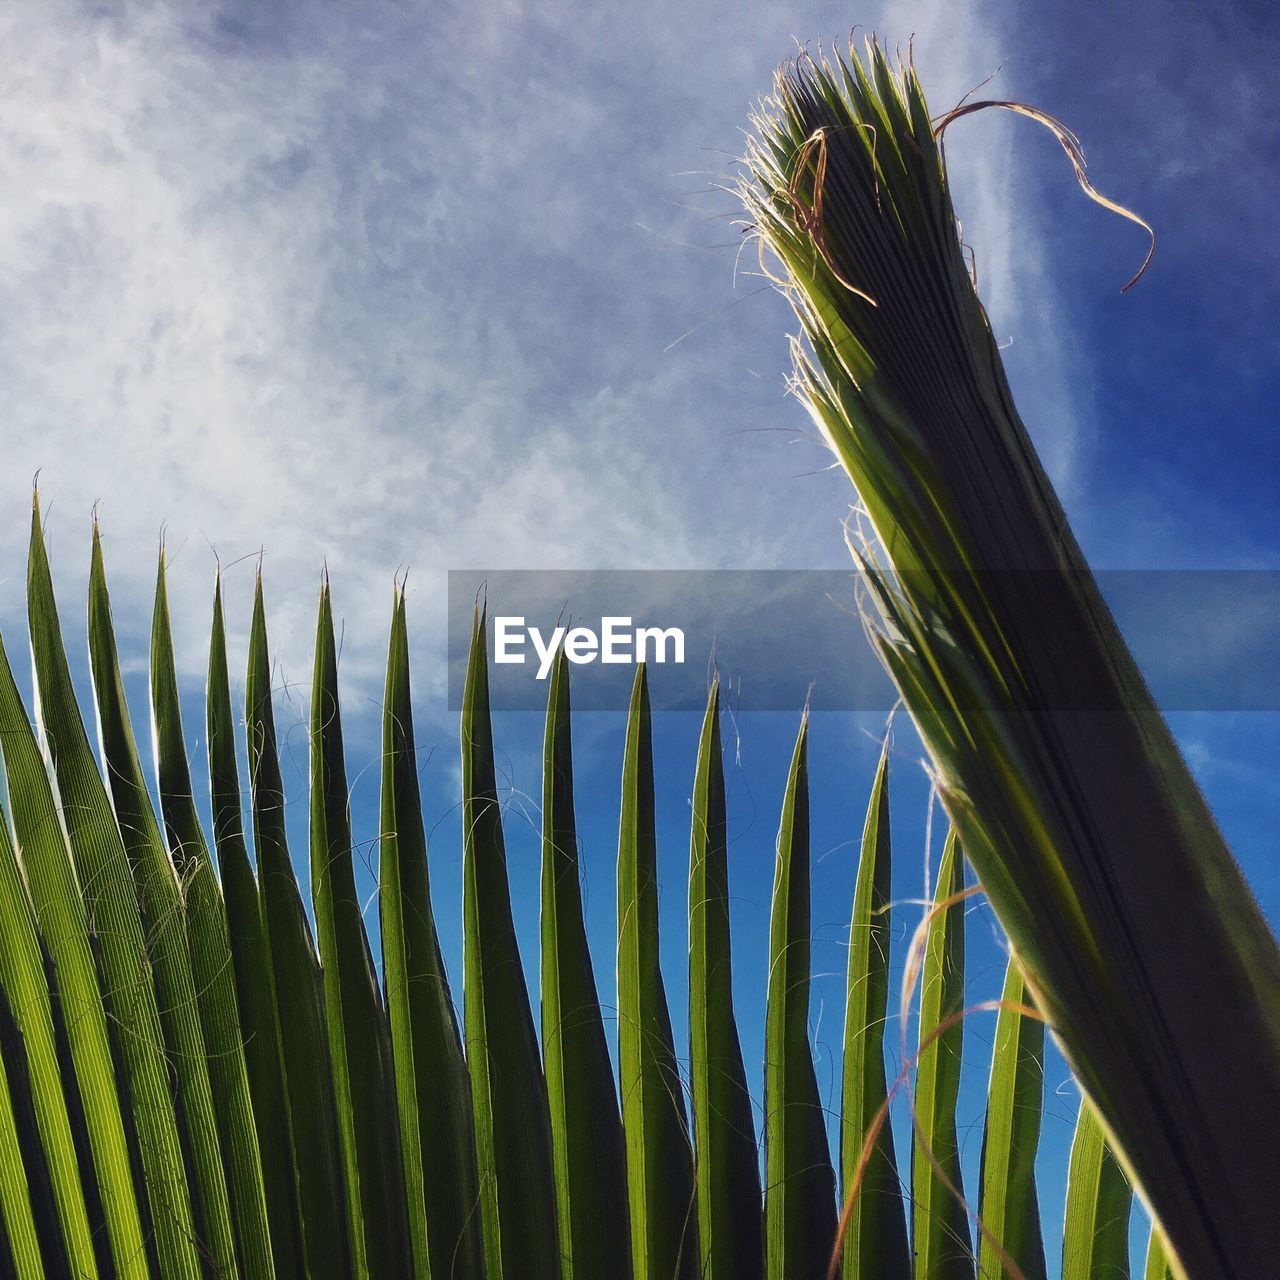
(1130, 920)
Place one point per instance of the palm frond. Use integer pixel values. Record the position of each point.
(1134, 927)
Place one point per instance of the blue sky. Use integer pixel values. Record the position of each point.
(445, 288)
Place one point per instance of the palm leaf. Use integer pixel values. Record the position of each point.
(22, 1236)
(26, 990)
(359, 1040)
(112, 904)
(210, 952)
(508, 1092)
(30, 1083)
(63, 919)
(586, 1128)
(875, 1239)
(940, 1237)
(251, 964)
(726, 1162)
(1157, 1265)
(1132, 922)
(163, 899)
(799, 1198)
(437, 1137)
(294, 974)
(1008, 1204)
(1095, 1236)
(660, 1188)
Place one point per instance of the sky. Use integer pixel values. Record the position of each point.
(444, 286)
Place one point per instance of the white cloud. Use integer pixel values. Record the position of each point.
(398, 292)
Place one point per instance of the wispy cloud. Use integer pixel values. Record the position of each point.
(402, 289)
